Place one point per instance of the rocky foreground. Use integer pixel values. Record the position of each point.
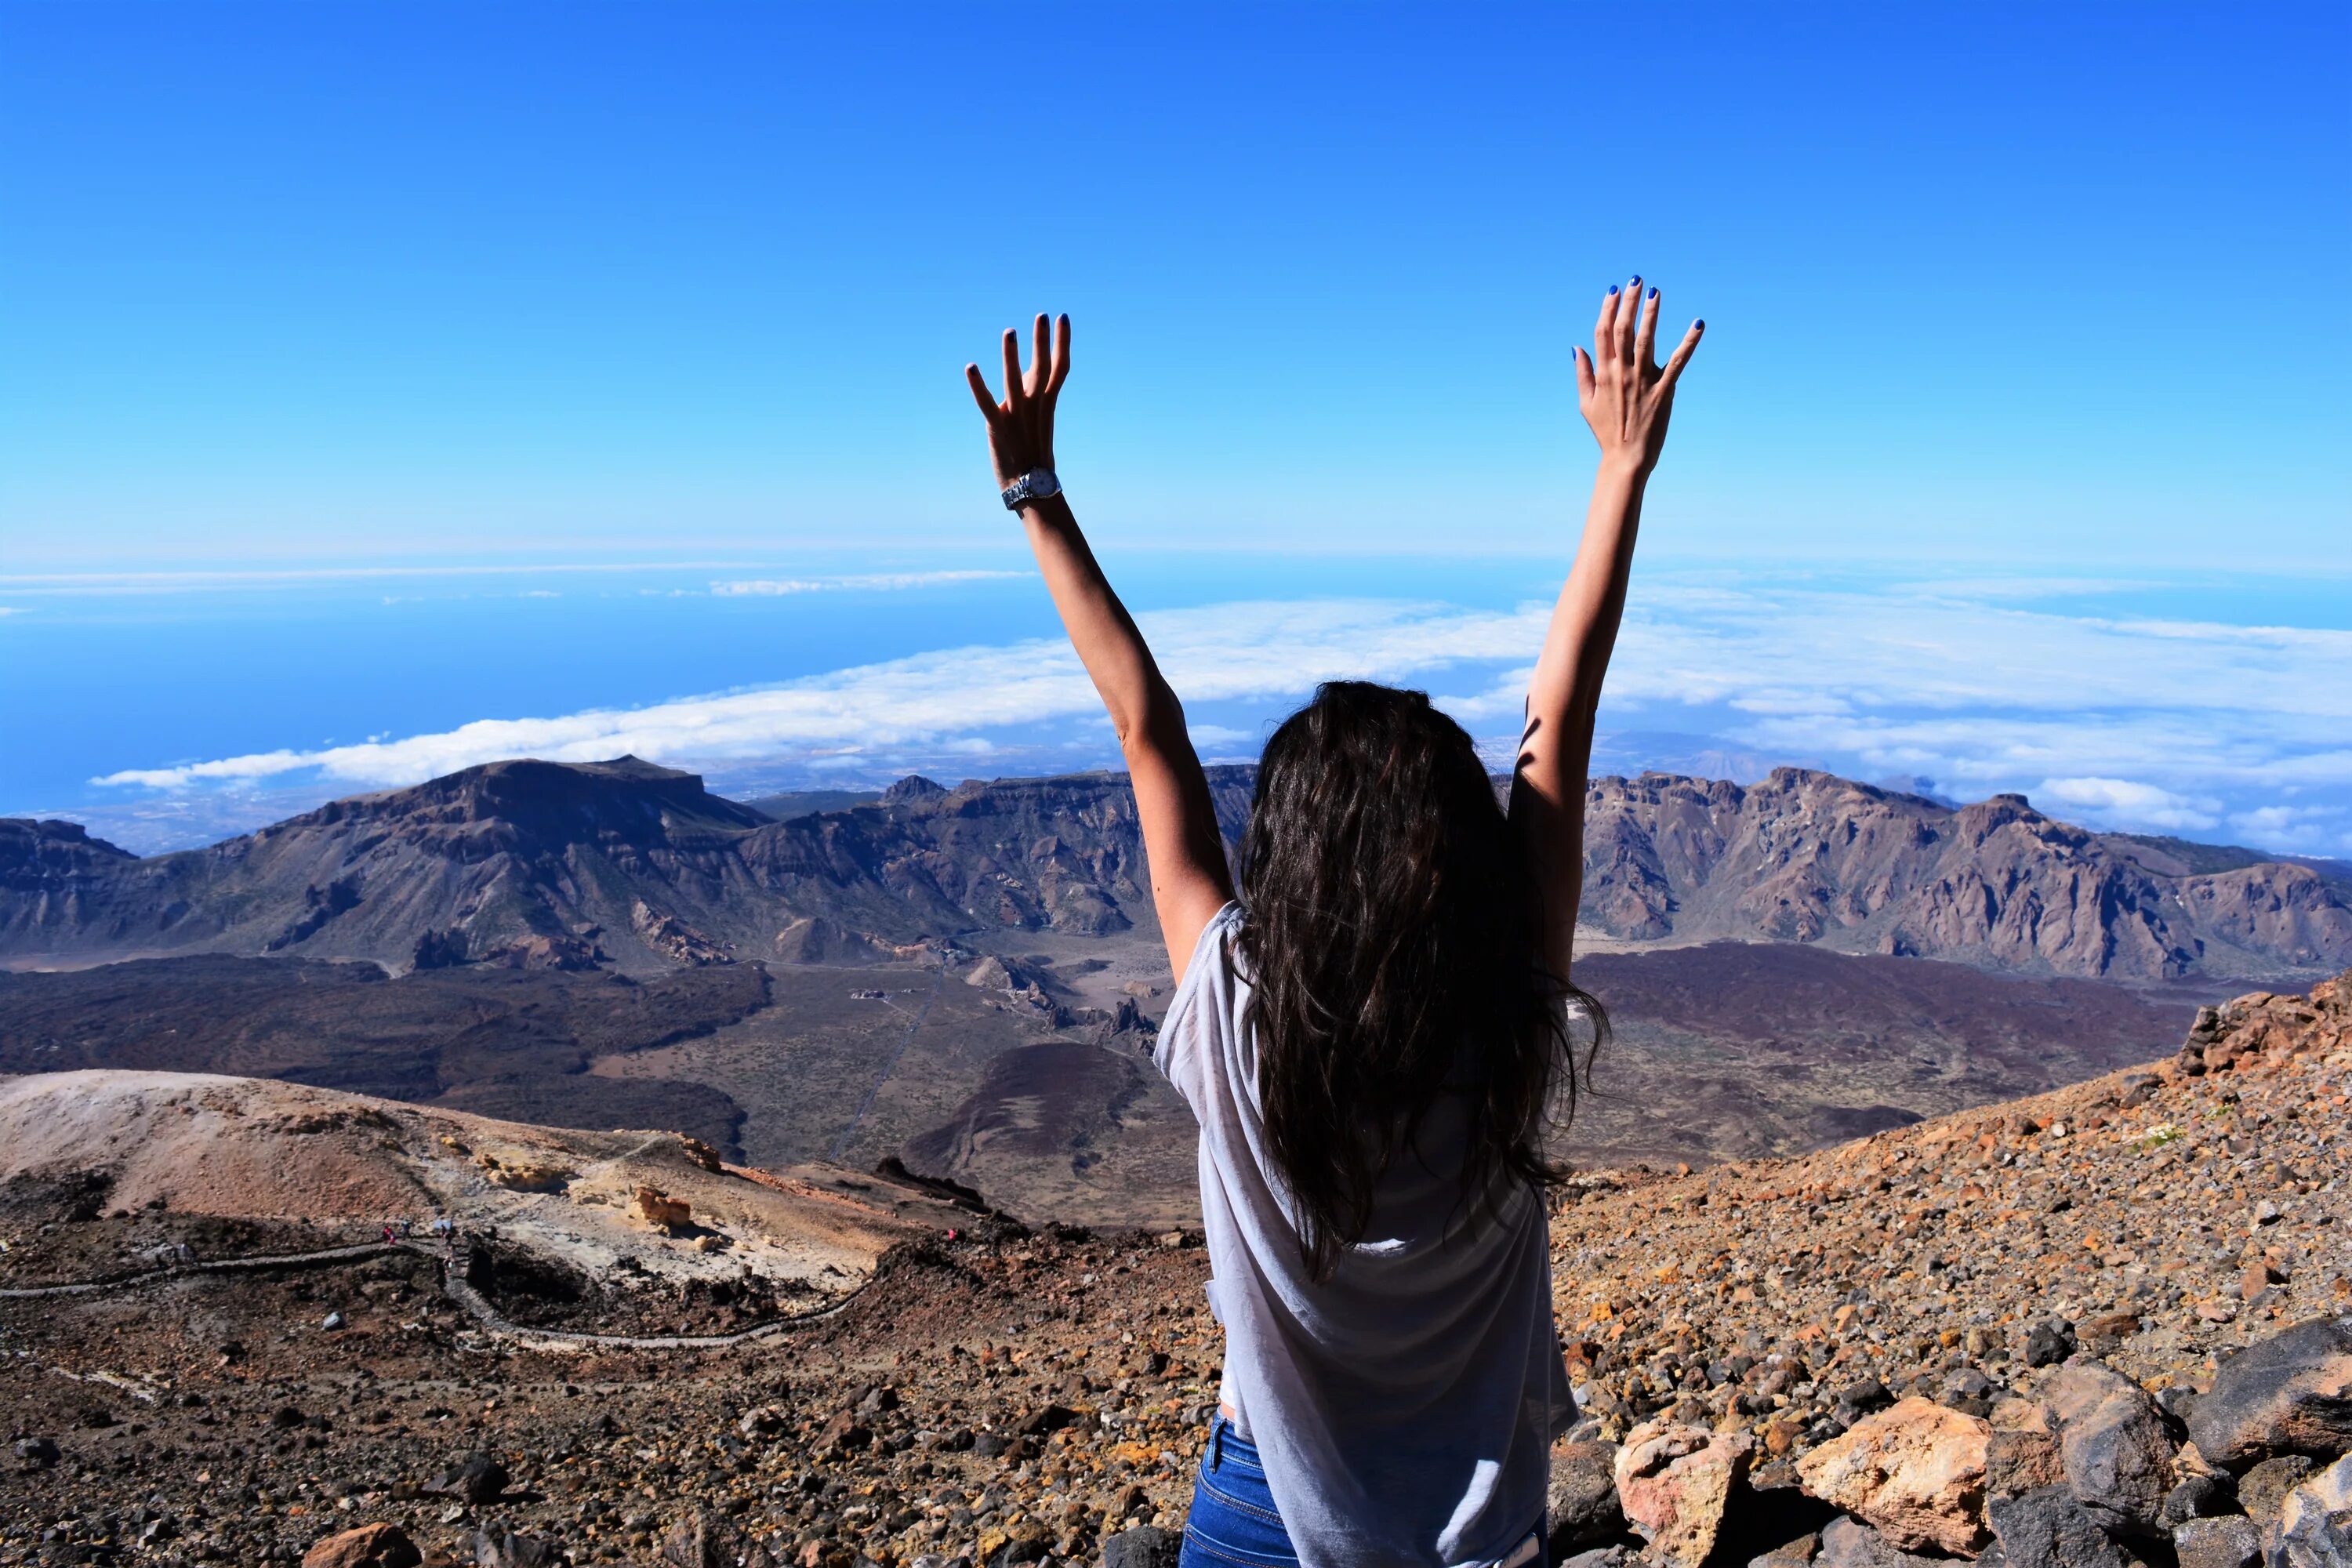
(2102, 1327)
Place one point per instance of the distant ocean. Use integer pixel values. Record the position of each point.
(2216, 708)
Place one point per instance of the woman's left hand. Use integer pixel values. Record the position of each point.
(1021, 429)
(1623, 393)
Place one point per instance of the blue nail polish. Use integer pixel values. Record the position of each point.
(1612, 287)
(1653, 294)
(1700, 325)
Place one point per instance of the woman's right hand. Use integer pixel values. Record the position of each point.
(1021, 429)
(1623, 395)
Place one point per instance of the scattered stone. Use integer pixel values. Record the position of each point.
(2289, 1393)
(2047, 1343)
(711, 1541)
(1581, 1510)
(764, 1422)
(1674, 1482)
(1049, 1419)
(475, 1478)
(2230, 1542)
(1145, 1546)
(332, 1322)
(2198, 1496)
(369, 1546)
(35, 1453)
(505, 1549)
(1915, 1472)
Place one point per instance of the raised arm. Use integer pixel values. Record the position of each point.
(1189, 879)
(1627, 398)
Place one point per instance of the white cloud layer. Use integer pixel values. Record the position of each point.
(2164, 725)
(883, 581)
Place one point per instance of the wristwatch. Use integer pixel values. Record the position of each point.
(1034, 485)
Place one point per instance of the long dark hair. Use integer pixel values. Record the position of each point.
(1391, 933)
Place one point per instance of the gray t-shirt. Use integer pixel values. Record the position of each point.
(1405, 1406)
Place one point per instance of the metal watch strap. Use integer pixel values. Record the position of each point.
(1034, 485)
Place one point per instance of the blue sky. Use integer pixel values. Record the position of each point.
(2039, 311)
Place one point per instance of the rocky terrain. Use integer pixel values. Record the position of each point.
(2108, 1325)
(638, 867)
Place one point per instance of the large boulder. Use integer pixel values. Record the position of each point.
(2290, 1394)
(2046, 1528)
(1675, 1482)
(2314, 1523)
(1581, 1510)
(2096, 1432)
(1915, 1472)
(369, 1546)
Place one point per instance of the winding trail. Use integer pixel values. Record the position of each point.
(476, 1305)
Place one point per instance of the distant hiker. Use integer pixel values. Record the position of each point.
(1375, 1032)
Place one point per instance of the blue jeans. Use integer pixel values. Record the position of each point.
(1233, 1523)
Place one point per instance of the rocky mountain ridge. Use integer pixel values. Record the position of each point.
(640, 866)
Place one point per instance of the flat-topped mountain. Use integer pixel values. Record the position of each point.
(621, 861)
(642, 867)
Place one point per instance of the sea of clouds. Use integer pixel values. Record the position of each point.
(2205, 729)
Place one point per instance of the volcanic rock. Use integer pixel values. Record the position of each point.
(1581, 1509)
(1674, 1483)
(2230, 1542)
(505, 1549)
(2112, 1450)
(475, 1478)
(369, 1546)
(2289, 1393)
(2048, 1529)
(1847, 1544)
(2315, 1526)
(2262, 1490)
(1915, 1472)
(1144, 1546)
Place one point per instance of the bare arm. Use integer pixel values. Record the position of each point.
(1189, 880)
(1627, 399)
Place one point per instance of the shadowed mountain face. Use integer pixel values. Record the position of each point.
(543, 864)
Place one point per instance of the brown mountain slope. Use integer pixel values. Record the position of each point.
(1031, 1397)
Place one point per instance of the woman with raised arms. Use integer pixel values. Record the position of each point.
(1375, 1025)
